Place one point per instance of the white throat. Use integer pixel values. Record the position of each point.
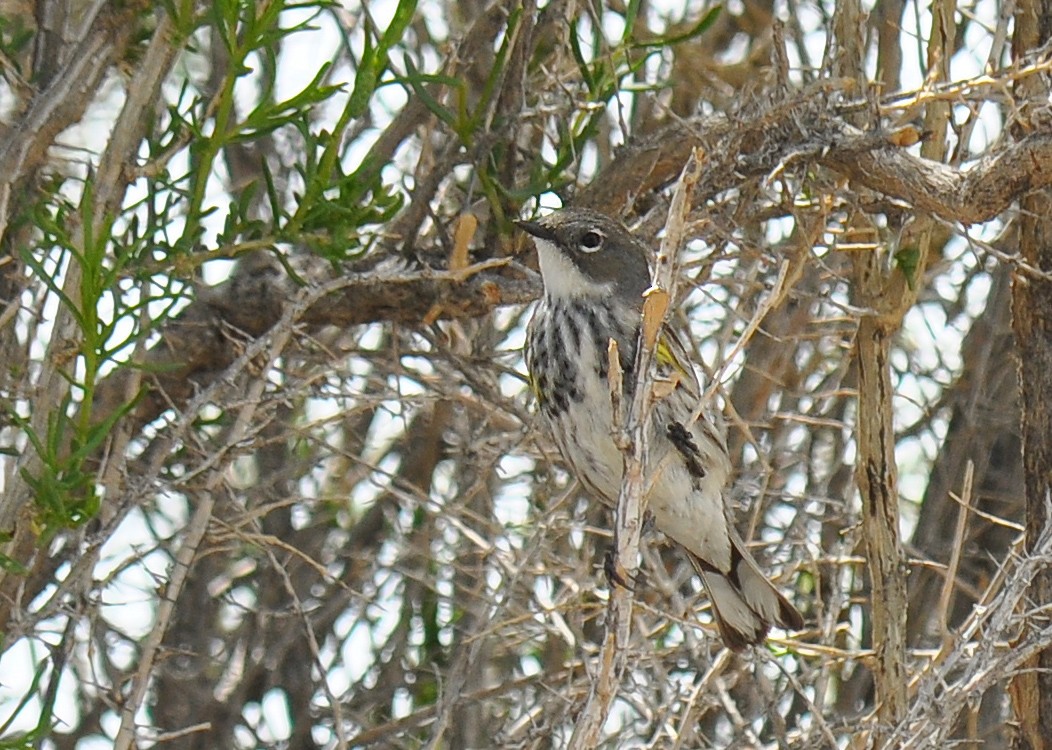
(562, 279)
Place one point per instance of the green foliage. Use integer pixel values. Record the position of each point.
(45, 720)
(375, 61)
(64, 485)
(14, 39)
(693, 32)
(329, 222)
(604, 73)
(907, 260)
(334, 204)
(118, 275)
(8, 563)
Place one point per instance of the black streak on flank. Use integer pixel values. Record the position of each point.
(684, 442)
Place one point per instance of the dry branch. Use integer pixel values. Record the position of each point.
(985, 650)
(613, 656)
(1031, 690)
(811, 128)
(196, 345)
(329, 526)
(808, 127)
(66, 96)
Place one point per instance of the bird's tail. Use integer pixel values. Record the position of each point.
(745, 603)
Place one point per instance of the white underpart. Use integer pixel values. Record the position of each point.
(698, 522)
(687, 508)
(688, 511)
(562, 279)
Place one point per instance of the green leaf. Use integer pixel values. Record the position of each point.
(908, 259)
(415, 81)
(374, 58)
(631, 14)
(98, 434)
(696, 30)
(48, 280)
(30, 694)
(578, 55)
(11, 565)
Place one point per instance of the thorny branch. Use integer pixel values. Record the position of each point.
(388, 518)
(984, 650)
(634, 440)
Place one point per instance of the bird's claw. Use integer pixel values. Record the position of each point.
(615, 574)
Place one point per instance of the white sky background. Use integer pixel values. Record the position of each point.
(130, 599)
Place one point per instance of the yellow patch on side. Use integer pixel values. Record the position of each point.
(666, 358)
(535, 389)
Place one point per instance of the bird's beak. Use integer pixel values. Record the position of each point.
(536, 229)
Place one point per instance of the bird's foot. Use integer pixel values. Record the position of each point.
(616, 575)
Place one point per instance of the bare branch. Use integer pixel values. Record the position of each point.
(613, 656)
(804, 127)
(986, 649)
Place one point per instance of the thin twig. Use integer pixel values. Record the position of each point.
(988, 650)
(613, 655)
(194, 535)
(948, 587)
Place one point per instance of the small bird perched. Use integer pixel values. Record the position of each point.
(595, 273)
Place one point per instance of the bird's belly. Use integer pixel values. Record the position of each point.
(586, 441)
(687, 509)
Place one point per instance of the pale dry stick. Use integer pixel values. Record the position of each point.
(1005, 18)
(788, 273)
(339, 725)
(192, 539)
(178, 734)
(455, 682)
(876, 477)
(412, 496)
(127, 133)
(988, 651)
(975, 87)
(769, 302)
(992, 518)
(721, 662)
(453, 693)
(268, 542)
(979, 631)
(946, 598)
(422, 716)
(148, 477)
(107, 185)
(12, 308)
(633, 439)
(612, 655)
(195, 532)
(742, 729)
(25, 145)
(198, 524)
(817, 717)
(977, 244)
(876, 471)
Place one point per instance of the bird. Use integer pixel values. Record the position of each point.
(595, 272)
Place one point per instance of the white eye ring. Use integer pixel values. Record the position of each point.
(591, 241)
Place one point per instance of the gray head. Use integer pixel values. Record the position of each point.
(586, 253)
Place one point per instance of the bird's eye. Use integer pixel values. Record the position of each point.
(591, 241)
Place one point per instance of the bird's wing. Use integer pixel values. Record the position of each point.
(674, 363)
